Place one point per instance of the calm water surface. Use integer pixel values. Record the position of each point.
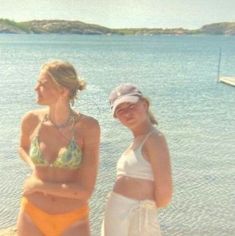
(196, 114)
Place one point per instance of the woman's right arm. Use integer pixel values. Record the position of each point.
(27, 125)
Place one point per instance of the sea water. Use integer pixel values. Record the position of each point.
(196, 114)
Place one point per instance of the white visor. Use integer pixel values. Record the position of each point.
(123, 99)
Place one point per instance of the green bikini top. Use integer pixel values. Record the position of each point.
(69, 157)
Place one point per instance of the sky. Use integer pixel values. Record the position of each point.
(189, 14)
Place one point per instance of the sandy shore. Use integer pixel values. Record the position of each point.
(8, 232)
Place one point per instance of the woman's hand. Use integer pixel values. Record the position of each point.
(32, 184)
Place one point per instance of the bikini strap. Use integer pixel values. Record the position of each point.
(76, 118)
(38, 127)
(146, 137)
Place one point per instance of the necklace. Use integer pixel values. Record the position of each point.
(68, 122)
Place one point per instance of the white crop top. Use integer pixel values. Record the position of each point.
(133, 164)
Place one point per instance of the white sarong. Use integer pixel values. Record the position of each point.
(124, 216)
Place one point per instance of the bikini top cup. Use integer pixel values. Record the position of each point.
(68, 157)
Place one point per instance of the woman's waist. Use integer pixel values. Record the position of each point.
(139, 189)
(55, 205)
(56, 175)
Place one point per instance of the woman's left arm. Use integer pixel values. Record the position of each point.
(159, 158)
(83, 186)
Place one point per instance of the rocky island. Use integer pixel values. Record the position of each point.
(78, 27)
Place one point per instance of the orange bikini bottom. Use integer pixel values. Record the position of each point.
(53, 224)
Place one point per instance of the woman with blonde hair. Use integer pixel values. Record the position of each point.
(143, 182)
(62, 148)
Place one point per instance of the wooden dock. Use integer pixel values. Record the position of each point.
(229, 80)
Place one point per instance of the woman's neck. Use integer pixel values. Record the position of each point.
(142, 129)
(59, 114)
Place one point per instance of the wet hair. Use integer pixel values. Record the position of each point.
(64, 74)
(151, 116)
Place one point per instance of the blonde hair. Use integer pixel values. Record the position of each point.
(64, 74)
(151, 116)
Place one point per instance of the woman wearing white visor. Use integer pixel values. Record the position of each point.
(143, 182)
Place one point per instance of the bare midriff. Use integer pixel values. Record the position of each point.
(139, 189)
(54, 204)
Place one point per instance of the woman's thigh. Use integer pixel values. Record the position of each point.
(25, 226)
(80, 228)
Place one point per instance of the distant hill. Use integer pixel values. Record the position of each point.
(8, 26)
(64, 27)
(219, 28)
(78, 27)
(51, 26)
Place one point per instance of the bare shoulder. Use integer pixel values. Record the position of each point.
(34, 115)
(90, 124)
(31, 119)
(156, 143)
(156, 138)
(90, 129)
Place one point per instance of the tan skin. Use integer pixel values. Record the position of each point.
(58, 190)
(155, 151)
